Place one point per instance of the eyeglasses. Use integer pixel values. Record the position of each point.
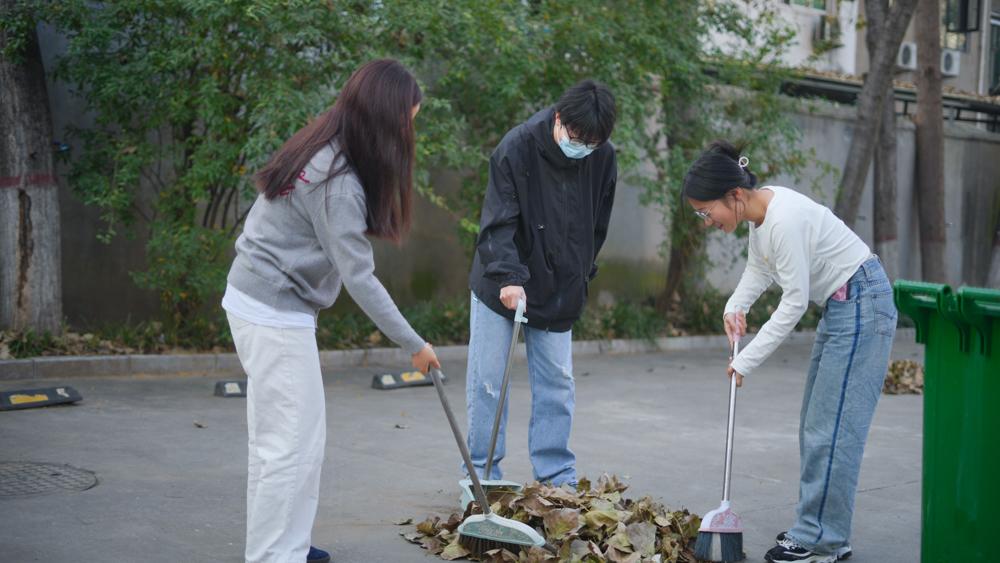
(577, 141)
(704, 215)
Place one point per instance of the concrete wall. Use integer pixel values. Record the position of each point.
(96, 285)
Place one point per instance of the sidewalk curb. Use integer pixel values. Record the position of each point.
(228, 364)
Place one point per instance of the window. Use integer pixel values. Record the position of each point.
(818, 4)
(958, 19)
(956, 41)
(961, 16)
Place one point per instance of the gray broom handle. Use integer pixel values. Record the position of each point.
(477, 487)
(730, 428)
(518, 319)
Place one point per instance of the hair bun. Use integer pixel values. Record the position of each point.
(722, 146)
(718, 170)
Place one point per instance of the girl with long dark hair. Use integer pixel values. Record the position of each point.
(345, 175)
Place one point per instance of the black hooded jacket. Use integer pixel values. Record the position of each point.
(544, 220)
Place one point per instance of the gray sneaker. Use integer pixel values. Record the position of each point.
(843, 552)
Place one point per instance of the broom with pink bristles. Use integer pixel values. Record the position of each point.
(720, 537)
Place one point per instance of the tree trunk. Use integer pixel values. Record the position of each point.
(886, 225)
(687, 240)
(929, 120)
(871, 102)
(885, 221)
(30, 261)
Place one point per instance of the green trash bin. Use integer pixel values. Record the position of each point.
(960, 508)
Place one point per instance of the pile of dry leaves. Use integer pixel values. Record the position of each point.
(594, 523)
(904, 377)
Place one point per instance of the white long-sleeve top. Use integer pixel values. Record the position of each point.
(808, 251)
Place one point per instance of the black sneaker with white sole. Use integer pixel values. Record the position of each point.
(844, 552)
(787, 551)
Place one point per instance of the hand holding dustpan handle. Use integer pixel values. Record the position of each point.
(519, 313)
(477, 487)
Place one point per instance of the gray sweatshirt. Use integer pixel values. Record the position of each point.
(298, 249)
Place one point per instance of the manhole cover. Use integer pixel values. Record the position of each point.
(25, 478)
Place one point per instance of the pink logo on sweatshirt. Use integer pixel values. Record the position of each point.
(291, 187)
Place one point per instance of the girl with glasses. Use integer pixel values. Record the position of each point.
(801, 246)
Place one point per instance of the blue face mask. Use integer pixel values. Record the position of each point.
(574, 149)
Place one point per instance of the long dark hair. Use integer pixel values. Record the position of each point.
(372, 124)
(717, 172)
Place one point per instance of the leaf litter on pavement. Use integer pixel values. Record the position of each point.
(593, 523)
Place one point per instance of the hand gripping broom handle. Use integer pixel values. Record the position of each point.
(477, 487)
(518, 319)
(730, 428)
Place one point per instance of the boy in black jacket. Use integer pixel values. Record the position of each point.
(545, 216)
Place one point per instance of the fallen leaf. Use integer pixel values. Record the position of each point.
(601, 518)
(904, 377)
(453, 551)
(620, 540)
(413, 537)
(642, 536)
(538, 555)
(561, 522)
(452, 524)
(433, 545)
(428, 527)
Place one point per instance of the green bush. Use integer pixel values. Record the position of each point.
(27, 344)
(441, 323)
(622, 320)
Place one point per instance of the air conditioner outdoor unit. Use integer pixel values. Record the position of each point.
(951, 62)
(907, 57)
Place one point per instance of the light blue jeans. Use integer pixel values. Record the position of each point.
(849, 362)
(553, 394)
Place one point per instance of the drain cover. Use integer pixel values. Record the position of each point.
(25, 478)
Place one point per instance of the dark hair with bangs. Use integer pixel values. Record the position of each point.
(373, 124)
(588, 111)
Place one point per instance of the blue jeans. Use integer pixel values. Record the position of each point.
(849, 362)
(553, 394)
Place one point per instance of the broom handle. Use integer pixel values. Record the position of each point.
(518, 319)
(730, 428)
(477, 487)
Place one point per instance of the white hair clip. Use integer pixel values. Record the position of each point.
(744, 162)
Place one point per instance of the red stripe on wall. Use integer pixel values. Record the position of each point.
(29, 181)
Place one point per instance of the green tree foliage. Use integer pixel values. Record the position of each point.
(190, 97)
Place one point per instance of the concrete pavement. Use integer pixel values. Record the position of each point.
(170, 491)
